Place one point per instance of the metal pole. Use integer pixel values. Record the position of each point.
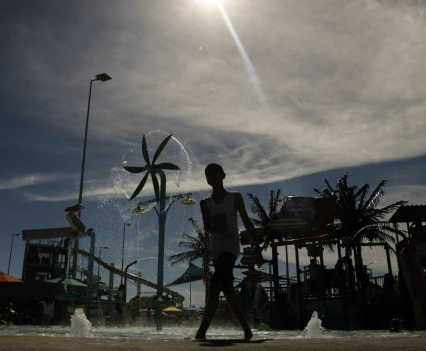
(124, 316)
(389, 261)
(275, 314)
(122, 253)
(10, 255)
(160, 272)
(80, 195)
(298, 288)
(323, 285)
(111, 282)
(92, 235)
(286, 267)
(190, 297)
(339, 249)
(99, 264)
(138, 285)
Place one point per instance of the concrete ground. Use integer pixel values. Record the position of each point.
(40, 343)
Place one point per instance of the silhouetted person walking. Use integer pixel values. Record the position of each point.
(220, 219)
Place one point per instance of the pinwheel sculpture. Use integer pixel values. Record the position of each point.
(152, 169)
(160, 193)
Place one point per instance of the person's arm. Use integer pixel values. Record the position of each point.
(206, 220)
(239, 204)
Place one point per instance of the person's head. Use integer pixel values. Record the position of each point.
(214, 174)
(121, 287)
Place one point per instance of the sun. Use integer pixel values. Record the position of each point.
(210, 2)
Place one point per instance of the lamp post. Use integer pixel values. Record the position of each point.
(122, 250)
(10, 255)
(124, 319)
(162, 215)
(103, 77)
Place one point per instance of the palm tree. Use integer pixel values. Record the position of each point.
(199, 247)
(356, 212)
(151, 168)
(263, 216)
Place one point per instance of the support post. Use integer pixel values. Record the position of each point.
(339, 249)
(160, 271)
(299, 291)
(122, 252)
(276, 311)
(92, 235)
(111, 282)
(275, 273)
(388, 260)
(323, 287)
(286, 267)
(138, 285)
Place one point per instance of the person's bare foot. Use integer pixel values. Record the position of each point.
(248, 335)
(200, 336)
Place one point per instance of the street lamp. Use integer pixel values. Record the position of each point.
(99, 265)
(103, 77)
(10, 255)
(124, 315)
(122, 250)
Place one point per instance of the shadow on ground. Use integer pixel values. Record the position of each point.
(224, 342)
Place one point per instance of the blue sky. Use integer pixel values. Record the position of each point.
(342, 84)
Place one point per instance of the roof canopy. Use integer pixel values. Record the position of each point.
(192, 274)
(405, 214)
(48, 233)
(6, 278)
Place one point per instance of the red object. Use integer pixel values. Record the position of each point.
(6, 278)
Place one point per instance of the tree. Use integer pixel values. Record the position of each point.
(263, 216)
(356, 216)
(198, 248)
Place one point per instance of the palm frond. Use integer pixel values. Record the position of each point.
(374, 198)
(277, 198)
(330, 189)
(258, 209)
(382, 212)
(362, 193)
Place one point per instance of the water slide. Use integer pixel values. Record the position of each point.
(130, 276)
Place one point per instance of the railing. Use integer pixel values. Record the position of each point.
(377, 281)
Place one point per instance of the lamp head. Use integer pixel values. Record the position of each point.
(188, 201)
(103, 77)
(138, 210)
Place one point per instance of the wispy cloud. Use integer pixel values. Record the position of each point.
(28, 180)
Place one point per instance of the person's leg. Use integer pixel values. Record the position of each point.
(229, 292)
(210, 311)
(47, 320)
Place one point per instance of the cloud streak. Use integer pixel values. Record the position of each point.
(28, 180)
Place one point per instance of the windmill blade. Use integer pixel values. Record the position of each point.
(156, 186)
(145, 151)
(140, 187)
(160, 148)
(166, 165)
(134, 169)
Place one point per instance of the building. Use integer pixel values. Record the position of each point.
(45, 254)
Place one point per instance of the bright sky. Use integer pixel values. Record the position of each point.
(281, 93)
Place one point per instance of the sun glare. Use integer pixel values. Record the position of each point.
(210, 2)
